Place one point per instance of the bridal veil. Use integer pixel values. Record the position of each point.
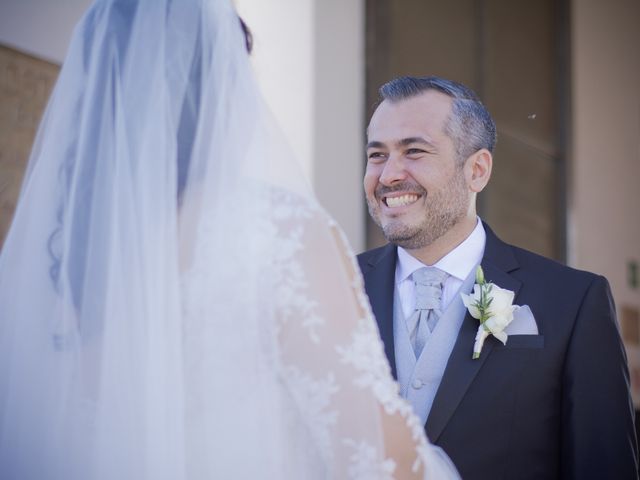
(173, 302)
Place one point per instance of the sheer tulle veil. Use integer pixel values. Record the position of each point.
(173, 302)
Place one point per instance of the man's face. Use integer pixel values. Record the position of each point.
(414, 187)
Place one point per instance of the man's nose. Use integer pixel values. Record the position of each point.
(393, 171)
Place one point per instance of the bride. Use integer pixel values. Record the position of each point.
(174, 304)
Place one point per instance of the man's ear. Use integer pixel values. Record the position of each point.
(477, 170)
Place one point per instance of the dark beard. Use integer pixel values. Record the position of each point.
(443, 210)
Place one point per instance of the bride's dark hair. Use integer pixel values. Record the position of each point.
(123, 15)
(248, 37)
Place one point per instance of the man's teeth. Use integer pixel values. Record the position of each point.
(401, 201)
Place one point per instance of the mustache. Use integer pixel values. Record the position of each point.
(383, 190)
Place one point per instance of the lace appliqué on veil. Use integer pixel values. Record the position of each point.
(313, 398)
(367, 464)
(366, 354)
(360, 351)
(291, 298)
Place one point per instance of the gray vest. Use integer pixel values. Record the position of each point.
(419, 379)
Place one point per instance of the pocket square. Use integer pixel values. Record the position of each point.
(523, 322)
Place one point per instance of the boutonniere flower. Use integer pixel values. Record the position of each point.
(493, 306)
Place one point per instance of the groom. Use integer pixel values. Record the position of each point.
(551, 403)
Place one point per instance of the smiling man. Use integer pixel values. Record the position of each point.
(553, 401)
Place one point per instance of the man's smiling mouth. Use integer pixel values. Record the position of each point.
(400, 201)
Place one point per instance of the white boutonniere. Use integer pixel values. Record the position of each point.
(493, 306)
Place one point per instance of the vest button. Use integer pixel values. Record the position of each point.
(417, 384)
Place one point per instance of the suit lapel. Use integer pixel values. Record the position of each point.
(380, 287)
(461, 369)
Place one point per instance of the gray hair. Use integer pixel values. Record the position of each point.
(469, 125)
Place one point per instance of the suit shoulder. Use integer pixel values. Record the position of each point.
(373, 253)
(552, 269)
(369, 257)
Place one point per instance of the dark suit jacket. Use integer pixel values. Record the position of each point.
(551, 406)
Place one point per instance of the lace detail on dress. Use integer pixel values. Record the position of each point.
(331, 356)
(366, 463)
(313, 399)
(366, 354)
(288, 275)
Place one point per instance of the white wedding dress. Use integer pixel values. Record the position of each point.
(174, 304)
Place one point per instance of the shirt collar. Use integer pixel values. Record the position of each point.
(458, 263)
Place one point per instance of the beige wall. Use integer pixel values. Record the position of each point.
(339, 93)
(25, 85)
(604, 201)
(283, 61)
(40, 27)
(604, 197)
(309, 59)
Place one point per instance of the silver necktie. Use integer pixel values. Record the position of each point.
(428, 286)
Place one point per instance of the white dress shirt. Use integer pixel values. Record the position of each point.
(458, 263)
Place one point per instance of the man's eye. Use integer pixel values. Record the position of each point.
(376, 156)
(415, 151)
